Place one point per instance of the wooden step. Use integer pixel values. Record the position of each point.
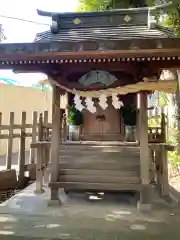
(95, 172)
(96, 186)
(99, 166)
(100, 179)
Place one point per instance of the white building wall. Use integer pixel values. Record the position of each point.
(17, 99)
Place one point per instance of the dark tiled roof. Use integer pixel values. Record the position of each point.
(105, 33)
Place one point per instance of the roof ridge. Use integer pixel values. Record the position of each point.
(89, 14)
(110, 11)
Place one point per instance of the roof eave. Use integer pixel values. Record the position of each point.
(140, 48)
(89, 14)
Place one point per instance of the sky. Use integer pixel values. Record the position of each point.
(18, 31)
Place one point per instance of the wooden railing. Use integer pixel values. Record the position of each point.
(38, 130)
(155, 135)
(158, 134)
(22, 131)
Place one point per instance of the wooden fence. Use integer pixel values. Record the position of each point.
(38, 129)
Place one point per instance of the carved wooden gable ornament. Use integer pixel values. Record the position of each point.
(97, 77)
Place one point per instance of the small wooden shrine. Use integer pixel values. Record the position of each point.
(113, 55)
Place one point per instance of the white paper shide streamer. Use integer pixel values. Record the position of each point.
(103, 102)
(116, 102)
(78, 103)
(90, 105)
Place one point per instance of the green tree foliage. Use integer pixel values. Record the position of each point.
(171, 17)
(75, 117)
(93, 5)
(100, 5)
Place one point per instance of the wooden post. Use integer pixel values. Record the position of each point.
(40, 128)
(158, 169)
(39, 163)
(34, 135)
(46, 151)
(137, 117)
(66, 131)
(39, 170)
(21, 162)
(144, 203)
(10, 142)
(55, 147)
(164, 172)
(0, 127)
(45, 127)
(137, 126)
(163, 125)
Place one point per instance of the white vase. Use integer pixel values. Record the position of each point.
(130, 133)
(74, 132)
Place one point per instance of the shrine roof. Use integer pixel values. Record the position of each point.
(123, 24)
(118, 35)
(105, 33)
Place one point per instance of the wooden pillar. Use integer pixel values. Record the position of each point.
(163, 125)
(164, 172)
(158, 169)
(137, 126)
(39, 170)
(39, 163)
(33, 151)
(137, 118)
(21, 162)
(34, 135)
(65, 127)
(144, 203)
(55, 147)
(10, 142)
(0, 128)
(66, 112)
(46, 150)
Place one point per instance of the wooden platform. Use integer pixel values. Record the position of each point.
(93, 166)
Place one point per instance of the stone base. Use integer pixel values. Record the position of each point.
(146, 193)
(143, 207)
(54, 203)
(39, 191)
